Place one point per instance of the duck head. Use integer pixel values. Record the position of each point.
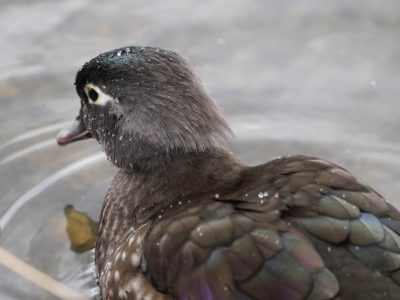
(144, 106)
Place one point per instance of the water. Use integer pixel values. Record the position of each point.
(309, 77)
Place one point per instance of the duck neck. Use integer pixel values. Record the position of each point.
(184, 177)
(142, 194)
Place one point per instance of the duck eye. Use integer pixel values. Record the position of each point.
(93, 95)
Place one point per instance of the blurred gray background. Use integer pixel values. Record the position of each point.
(292, 77)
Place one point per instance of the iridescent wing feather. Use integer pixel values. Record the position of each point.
(294, 228)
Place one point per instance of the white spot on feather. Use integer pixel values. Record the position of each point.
(122, 294)
(135, 259)
(108, 277)
(116, 276)
(117, 256)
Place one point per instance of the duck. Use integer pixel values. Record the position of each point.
(184, 218)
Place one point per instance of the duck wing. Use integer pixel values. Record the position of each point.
(294, 228)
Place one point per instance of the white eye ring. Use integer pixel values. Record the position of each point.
(96, 96)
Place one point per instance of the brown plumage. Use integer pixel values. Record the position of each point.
(185, 219)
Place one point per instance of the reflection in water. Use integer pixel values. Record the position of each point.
(294, 77)
(33, 133)
(46, 183)
(27, 150)
(44, 281)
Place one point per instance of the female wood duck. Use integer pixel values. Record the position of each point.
(185, 219)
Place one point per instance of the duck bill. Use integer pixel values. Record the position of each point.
(74, 132)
